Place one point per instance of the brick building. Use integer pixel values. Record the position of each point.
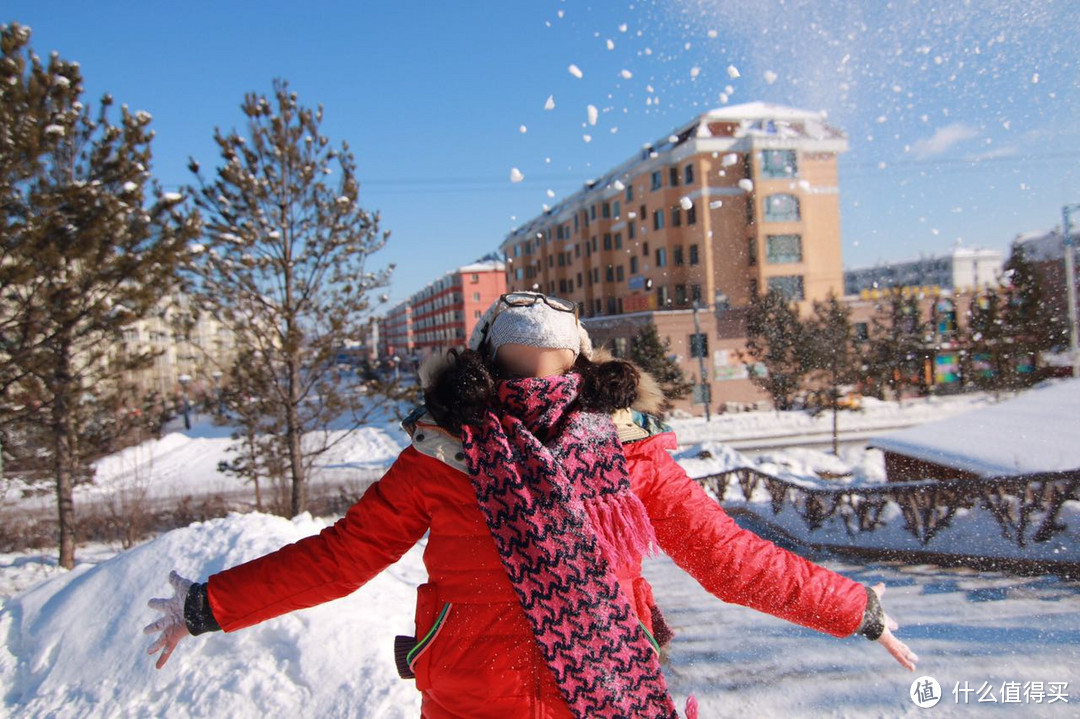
(738, 200)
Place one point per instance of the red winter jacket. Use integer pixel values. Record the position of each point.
(477, 657)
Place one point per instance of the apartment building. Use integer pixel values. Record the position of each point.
(965, 268)
(738, 200)
(442, 314)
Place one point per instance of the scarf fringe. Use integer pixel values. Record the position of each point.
(623, 529)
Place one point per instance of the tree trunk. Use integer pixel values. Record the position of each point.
(64, 459)
(293, 432)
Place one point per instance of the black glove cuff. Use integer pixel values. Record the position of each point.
(873, 621)
(197, 614)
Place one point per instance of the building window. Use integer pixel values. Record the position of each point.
(618, 209)
(688, 172)
(619, 273)
(657, 180)
(751, 251)
(661, 257)
(658, 220)
(633, 265)
(631, 230)
(673, 176)
(618, 240)
(643, 213)
(691, 214)
(576, 226)
(778, 163)
(592, 211)
(474, 278)
(630, 193)
(676, 216)
(661, 296)
(596, 275)
(693, 254)
(781, 208)
(607, 240)
(594, 243)
(644, 249)
(749, 209)
(695, 293)
(790, 286)
(780, 249)
(605, 210)
(677, 255)
(577, 250)
(579, 280)
(680, 294)
(609, 274)
(862, 332)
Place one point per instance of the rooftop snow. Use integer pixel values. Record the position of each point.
(1034, 432)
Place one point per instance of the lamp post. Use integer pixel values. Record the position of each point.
(1070, 286)
(705, 398)
(184, 380)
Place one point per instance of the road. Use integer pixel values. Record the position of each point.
(982, 628)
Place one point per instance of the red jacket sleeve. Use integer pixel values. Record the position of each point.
(737, 565)
(387, 520)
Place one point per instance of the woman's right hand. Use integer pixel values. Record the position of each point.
(897, 648)
(172, 625)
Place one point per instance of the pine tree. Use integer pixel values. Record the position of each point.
(896, 353)
(775, 339)
(654, 356)
(85, 254)
(989, 356)
(833, 359)
(1031, 326)
(284, 268)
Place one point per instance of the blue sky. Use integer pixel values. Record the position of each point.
(963, 118)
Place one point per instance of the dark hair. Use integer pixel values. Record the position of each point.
(461, 390)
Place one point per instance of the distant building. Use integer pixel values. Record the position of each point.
(738, 200)
(963, 269)
(442, 314)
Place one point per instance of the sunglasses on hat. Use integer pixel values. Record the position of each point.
(528, 299)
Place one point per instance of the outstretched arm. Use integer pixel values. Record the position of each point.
(388, 519)
(740, 567)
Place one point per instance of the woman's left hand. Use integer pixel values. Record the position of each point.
(897, 648)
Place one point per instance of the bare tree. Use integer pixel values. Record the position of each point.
(285, 269)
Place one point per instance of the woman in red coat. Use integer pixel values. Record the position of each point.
(540, 490)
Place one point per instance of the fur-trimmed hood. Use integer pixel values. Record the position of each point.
(649, 400)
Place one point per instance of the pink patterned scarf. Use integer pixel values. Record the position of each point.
(553, 485)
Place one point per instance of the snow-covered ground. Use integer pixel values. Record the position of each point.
(185, 463)
(73, 645)
(874, 415)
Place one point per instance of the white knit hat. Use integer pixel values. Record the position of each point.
(538, 325)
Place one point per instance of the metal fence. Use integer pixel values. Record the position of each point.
(1027, 508)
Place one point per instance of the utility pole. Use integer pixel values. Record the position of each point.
(1070, 286)
(706, 395)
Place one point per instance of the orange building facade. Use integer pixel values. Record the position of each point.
(738, 200)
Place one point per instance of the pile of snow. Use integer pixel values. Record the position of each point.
(73, 645)
(854, 465)
(1033, 432)
(185, 462)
